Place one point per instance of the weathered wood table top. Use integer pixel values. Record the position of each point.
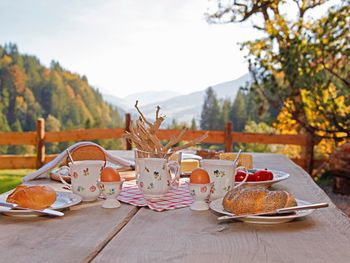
(89, 233)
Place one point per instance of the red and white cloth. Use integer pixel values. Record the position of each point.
(175, 198)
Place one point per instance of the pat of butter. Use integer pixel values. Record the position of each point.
(188, 165)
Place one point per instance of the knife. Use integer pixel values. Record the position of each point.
(279, 211)
(44, 211)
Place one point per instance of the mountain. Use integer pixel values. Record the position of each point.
(29, 90)
(127, 103)
(150, 96)
(121, 105)
(184, 107)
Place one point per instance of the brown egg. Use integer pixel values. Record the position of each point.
(109, 174)
(199, 176)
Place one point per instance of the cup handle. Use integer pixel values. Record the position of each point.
(63, 181)
(176, 180)
(245, 178)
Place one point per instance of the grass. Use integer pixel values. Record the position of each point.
(11, 178)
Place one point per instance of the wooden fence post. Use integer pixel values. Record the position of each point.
(40, 142)
(308, 153)
(228, 137)
(127, 128)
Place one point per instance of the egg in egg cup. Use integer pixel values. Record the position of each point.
(111, 186)
(200, 188)
(110, 191)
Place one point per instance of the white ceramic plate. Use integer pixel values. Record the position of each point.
(63, 200)
(216, 205)
(278, 176)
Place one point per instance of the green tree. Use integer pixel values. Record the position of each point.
(226, 107)
(193, 124)
(238, 113)
(52, 124)
(210, 116)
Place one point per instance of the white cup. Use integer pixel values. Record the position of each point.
(222, 174)
(84, 177)
(155, 176)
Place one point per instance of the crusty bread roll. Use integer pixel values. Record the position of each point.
(256, 200)
(35, 197)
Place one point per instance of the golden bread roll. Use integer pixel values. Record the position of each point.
(35, 197)
(256, 200)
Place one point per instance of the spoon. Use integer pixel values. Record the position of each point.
(238, 154)
(246, 177)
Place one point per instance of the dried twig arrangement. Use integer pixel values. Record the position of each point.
(143, 135)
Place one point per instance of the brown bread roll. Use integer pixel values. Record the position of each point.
(35, 197)
(256, 200)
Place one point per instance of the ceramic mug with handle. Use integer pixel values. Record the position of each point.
(84, 177)
(222, 174)
(155, 176)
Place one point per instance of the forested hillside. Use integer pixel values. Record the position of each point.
(29, 90)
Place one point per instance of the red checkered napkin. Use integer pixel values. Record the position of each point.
(175, 198)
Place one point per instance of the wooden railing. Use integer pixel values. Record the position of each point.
(227, 137)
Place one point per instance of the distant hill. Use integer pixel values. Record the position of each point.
(29, 90)
(117, 102)
(127, 103)
(184, 107)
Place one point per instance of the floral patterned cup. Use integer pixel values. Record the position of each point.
(84, 176)
(200, 194)
(154, 177)
(110, 191)
(221, 173)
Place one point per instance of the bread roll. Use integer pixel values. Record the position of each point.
(256, 200)
(35, 197)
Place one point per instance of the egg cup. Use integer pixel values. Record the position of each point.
(110, 190)
(200, 194)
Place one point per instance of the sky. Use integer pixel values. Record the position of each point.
(128, 46)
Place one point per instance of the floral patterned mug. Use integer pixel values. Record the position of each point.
(154, 176)
(84, 176)
(222, 174)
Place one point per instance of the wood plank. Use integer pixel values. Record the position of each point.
(217, 137)
(17, 162)
(18, 138)
(297, 139)
(76, 237)
(84, 134)
(183, 235)
(22, 161)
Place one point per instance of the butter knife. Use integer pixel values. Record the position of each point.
(278, 211)
(44, 211)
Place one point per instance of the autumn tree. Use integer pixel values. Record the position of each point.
(301, 64)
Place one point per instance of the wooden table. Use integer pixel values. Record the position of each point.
(89, 233)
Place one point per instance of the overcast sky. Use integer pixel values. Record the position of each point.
(127, 46)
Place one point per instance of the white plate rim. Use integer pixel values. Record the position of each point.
(216, 205)
(280, 177)
(75, 199)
